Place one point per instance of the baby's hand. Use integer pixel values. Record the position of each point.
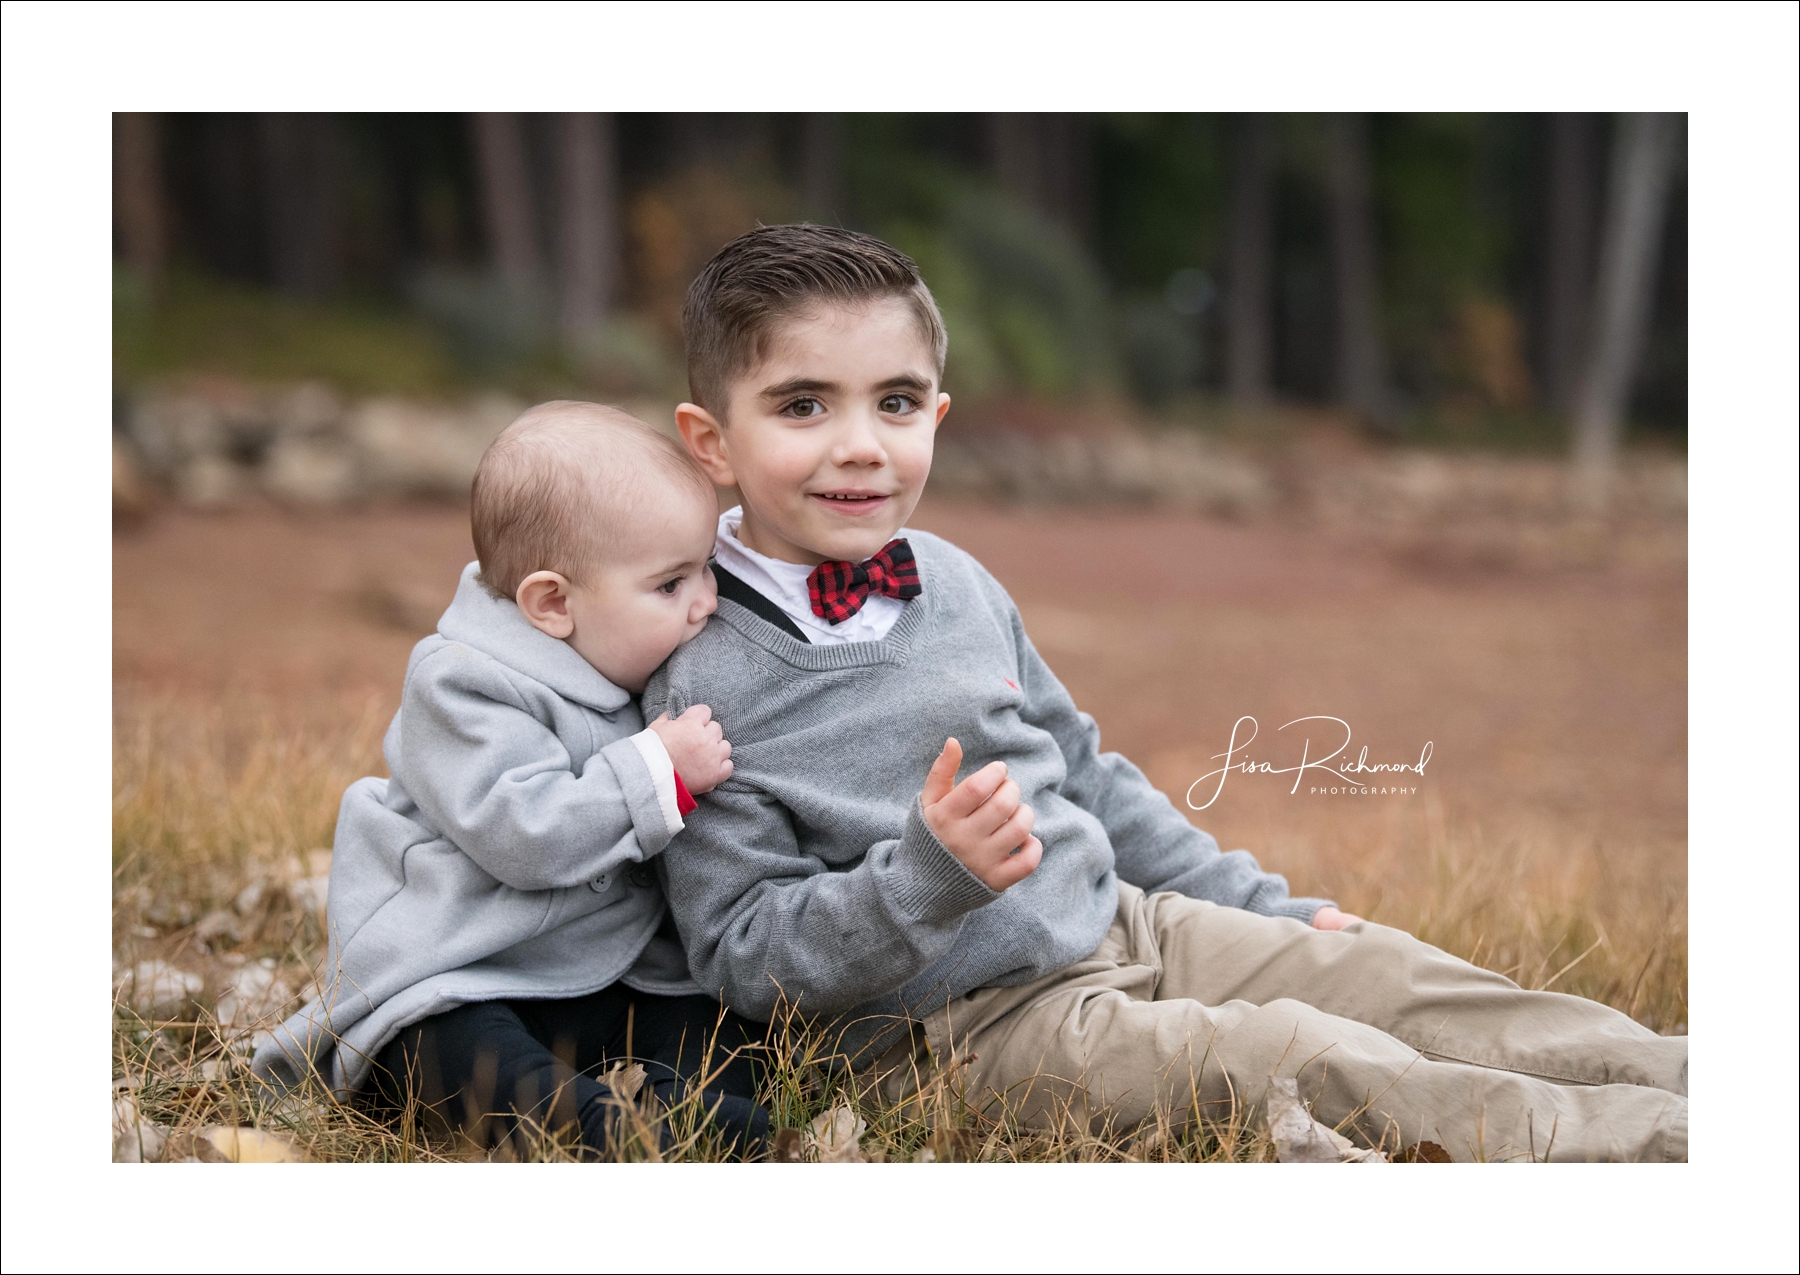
(697, 746)
(1329, 918)
(981, 820)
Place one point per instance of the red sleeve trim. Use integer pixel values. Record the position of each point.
(685, 804)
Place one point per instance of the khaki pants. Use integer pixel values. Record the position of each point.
(1186, 1002)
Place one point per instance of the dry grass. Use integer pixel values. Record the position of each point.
(219, 822)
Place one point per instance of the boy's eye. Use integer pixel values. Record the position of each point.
(668, 587)
(804, 408)
(897, 404)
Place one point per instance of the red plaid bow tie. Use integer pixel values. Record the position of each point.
(839, 589)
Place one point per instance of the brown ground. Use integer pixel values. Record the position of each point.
(1554, 697)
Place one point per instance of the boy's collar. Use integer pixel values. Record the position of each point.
(494, 627)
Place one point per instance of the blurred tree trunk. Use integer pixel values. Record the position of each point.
(1251, 229)
(1570, 259)
(1042, 161)
(822, 167)
(504, 171)
(140, 218)
(1362, 375)
(303, 201)
(588, 228)
(1637, 200)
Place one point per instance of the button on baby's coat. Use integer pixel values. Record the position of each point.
(496, 861)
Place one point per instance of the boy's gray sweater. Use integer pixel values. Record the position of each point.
(502, 860)
(811, 871)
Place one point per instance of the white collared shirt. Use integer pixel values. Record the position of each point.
(784, 584)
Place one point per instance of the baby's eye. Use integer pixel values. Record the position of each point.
(668, 587)
(897, 404)
(804, 408)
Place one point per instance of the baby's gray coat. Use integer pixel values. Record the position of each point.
(501, 858)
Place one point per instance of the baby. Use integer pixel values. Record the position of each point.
(497, 939)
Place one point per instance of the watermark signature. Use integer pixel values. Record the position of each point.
(1350, 774)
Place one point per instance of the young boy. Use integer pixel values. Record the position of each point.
(496, 934)
(1051, 920)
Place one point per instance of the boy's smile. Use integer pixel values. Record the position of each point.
(829, 438)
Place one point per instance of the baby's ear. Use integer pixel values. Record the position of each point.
(543, 599)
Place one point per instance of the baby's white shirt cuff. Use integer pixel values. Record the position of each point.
(662, 774)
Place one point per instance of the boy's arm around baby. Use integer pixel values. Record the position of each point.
(499, 783)
(1154, 846)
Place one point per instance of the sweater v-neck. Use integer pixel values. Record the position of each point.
(807, 657)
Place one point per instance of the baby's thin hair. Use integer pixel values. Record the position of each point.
(558, 490)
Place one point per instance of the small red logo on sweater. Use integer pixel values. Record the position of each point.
(1010, 683)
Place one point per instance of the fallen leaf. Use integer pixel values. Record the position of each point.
(1148, 1144)
(951, 1146)
(834, 1135)
(1425, 1153)
(229, 1144)
(1299, 1139)
(135, 1139)
(790, 1146)
(625, 1082)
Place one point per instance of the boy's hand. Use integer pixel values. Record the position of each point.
(1329, 918)
(981, 820)
(697, 746)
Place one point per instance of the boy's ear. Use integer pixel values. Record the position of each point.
(704, 437)
(942, 407)
(543, 599)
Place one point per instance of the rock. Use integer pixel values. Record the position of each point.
(131, 496)
(311, 890)
(171, 429)
(217, 924)
(420, 449)
(158, 990)
(311, 407)
(210, 481)
(311, 471)
(167, 912)
(250, 898)
(310, 893)
(1299, 1139)
(252, 995)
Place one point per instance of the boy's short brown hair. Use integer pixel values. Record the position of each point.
(775, 272)
(561, 485)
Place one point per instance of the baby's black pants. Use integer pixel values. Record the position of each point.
(482, 1067)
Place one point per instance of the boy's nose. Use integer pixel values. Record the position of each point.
(859, 444)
